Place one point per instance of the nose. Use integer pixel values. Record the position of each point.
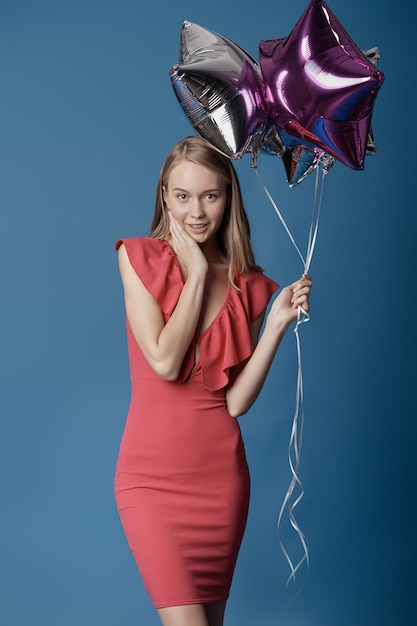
(197, 209)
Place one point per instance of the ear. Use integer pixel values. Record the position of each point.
(163, 190)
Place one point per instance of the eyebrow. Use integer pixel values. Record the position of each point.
(205, 191)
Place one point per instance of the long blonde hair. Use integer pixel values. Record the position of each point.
(233, 236)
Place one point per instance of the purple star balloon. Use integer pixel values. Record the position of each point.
(320, 87)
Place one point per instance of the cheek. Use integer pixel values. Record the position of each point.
(220, 214)
(178, 212)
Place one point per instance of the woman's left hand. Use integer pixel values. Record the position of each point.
(285, 307)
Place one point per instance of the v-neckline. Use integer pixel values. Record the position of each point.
(197, 338)
(225, 299)
(219, 312)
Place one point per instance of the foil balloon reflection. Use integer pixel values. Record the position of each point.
(321, 87)
(220, 89)
(300, 161)
(309, 99)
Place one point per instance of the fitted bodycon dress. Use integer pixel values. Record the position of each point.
(182, 481)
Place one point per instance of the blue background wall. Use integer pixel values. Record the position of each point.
(87, 116)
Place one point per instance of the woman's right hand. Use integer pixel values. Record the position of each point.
(189, 254)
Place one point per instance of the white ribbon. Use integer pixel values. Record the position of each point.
(292, 499)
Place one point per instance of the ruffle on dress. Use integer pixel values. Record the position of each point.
(226, 342)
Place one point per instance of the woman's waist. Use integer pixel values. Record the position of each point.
(166, 418)
(180, 439)
(191, 390)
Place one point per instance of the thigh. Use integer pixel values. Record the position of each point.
(185, 615)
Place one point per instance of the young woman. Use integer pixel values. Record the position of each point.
(195, 303)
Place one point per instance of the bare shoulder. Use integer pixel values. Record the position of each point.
(124, 262)
(128, 275)
(121, 251)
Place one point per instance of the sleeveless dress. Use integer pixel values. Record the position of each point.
(182, 481)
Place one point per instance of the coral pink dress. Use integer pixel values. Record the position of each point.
(182, 482)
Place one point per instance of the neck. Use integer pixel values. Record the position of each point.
(212, 252)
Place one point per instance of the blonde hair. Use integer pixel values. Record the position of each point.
(233, 236)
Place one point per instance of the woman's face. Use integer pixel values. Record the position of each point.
(196, 196)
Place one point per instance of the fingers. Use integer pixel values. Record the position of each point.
(175, 228)
(304, 282)
(187, 251)
(301, 300)
(180, 238)
(301, 292)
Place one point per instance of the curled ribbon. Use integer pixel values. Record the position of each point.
(295, 491)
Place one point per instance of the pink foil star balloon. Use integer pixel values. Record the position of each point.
(321, 87)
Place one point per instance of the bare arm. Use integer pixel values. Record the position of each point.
(164, 345)
(247, 386)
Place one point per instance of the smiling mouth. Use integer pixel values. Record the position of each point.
(197, 226)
